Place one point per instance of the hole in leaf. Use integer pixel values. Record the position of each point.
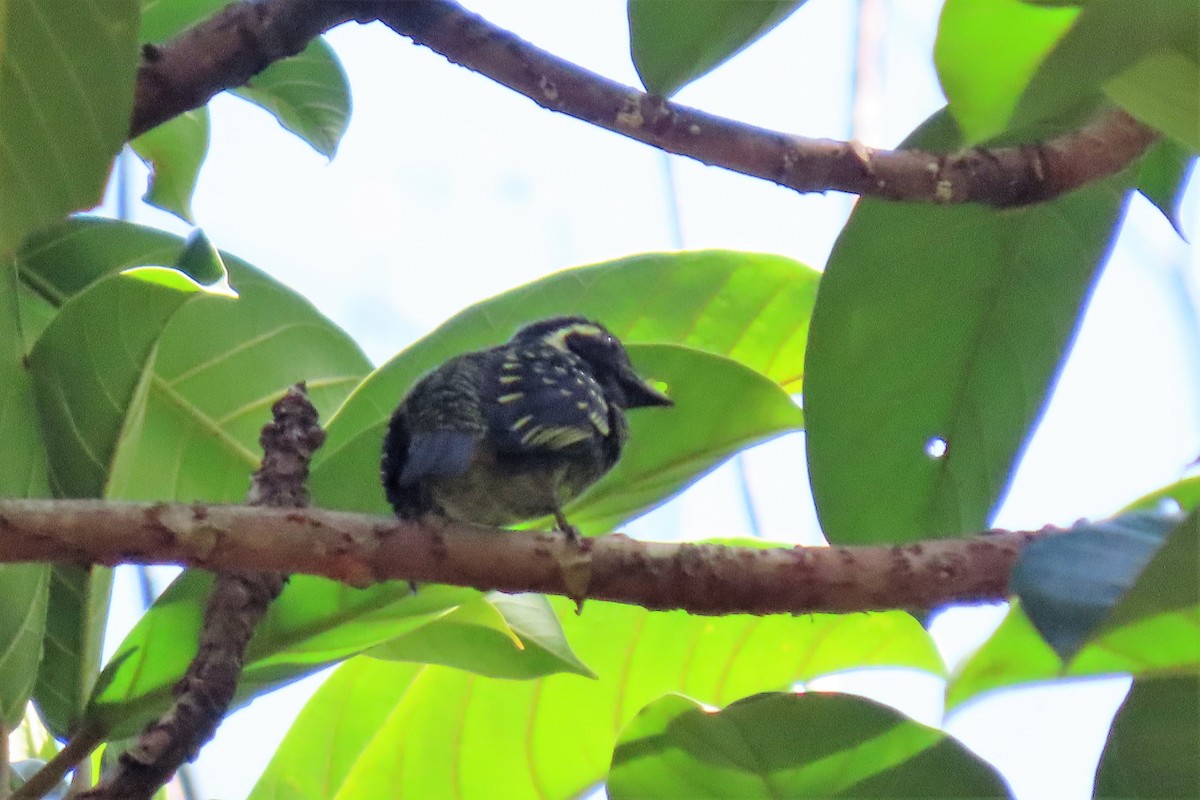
(936, 447)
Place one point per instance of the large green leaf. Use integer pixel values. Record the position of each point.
(984, 80)
(219, 364)
(1163, 177)
(553, 737)
(308, 93)
(673, 42)
(314, 623)
(66, 87)
(1154, 629)
(332, 729)
(191, 433)
(91, 364)
(1069, 583)
(91, 368)
(751, 308)
(936, 338)
(1151, 749)
(22, 474)
(174, 152)
(1006, 64)
(721, 407)
(1163, 91)
(499, 635)
(781, 745)
(162, 19)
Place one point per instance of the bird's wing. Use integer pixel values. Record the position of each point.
(437, 428)
(541, 403)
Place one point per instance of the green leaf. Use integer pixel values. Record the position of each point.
(1153, 630)
(1009, 65)
(219, 365)
(1185, 494)
(673, 42)
(314, 623)
(497, 635)
(791, 745)
(721, 407)
(191, 433)
(66, 86)
(332, 729)
(89, 367)
(553, 737)
(937, 336)
(162, 19)
(751, 308)
(1163, 176)
(986, 53)
(22, 474)
(174, 152)
(1163, 91)
(1070, 581)
(74, 640)
(308, 93)
(1152, 746)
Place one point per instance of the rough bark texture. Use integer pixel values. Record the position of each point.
(245, 38)
(238, 601)
(361, 549)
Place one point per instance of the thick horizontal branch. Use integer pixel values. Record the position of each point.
(237, 43)
(360, 549)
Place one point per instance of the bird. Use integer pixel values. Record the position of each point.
(512, 433)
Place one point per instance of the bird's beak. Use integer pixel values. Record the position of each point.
(641, 393)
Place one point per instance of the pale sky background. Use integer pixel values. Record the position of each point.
(449, 189)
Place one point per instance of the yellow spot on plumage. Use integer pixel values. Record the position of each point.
(509, 398)
(522, 422)
(511, 364)
(510, 378)
(558, 338)
(582, 406)
(565, 392)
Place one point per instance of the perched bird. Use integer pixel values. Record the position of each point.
(513, 433)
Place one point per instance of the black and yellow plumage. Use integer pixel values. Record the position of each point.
(514, 432)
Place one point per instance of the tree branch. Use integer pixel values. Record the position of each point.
(361, 549)
(224, 52)
(240, 41)
(237, 603)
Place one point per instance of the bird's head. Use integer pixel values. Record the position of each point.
(602, 352)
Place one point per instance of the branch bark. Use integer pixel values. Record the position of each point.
(240, 41)
(238, 601)
(361, 549)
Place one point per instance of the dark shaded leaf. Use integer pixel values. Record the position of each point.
(1068, 583)
(781, 745)
(1151, 749)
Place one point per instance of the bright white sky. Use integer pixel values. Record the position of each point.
(449, 189)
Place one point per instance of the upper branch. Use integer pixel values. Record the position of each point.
(240, 41)
(360, 549)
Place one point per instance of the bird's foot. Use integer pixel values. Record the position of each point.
(572, 533)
